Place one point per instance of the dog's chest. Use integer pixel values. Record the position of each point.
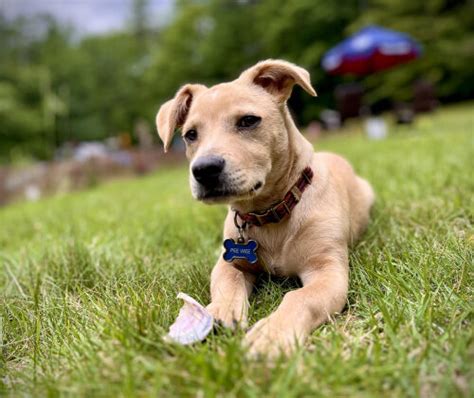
(276, 253)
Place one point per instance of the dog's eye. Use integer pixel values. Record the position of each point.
(191, 135)
(248, 121)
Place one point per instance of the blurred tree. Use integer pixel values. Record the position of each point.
(29, 105)
(140, 20)
(231, 39)
(57, 87)
(177, 59)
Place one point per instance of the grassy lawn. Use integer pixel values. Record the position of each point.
(88, 283)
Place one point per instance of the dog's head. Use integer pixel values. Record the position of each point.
(233, 131)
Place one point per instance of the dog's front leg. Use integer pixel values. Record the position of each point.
(324, 292)
(230, 290)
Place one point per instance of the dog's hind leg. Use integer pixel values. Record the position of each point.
(362, 200)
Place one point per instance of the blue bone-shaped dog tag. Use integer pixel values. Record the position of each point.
(246, 251)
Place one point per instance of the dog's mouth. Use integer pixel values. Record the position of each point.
(224, 194)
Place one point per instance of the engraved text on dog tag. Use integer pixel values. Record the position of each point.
(246, 251)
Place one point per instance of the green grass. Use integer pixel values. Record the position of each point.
(88, 283)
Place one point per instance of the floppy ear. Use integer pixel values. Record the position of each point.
(173, 113)
(278, 78)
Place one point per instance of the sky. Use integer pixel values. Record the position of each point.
(87, 16)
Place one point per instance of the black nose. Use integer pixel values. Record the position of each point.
(207, 169)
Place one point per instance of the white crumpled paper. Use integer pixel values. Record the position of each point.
(193, 323)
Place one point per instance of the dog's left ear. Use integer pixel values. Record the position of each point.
(278, 78)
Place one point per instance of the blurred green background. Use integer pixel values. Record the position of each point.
(59, 84)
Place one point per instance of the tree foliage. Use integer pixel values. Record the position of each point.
(56, 87)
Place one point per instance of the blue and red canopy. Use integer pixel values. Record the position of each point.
(370, 50)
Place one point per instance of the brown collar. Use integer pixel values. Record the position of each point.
(279, 211)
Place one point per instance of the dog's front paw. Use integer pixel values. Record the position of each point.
(228, 313)
(272, 338)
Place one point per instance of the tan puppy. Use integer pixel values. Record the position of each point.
(245, 150)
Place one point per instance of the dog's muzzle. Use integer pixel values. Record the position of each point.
(208, 172)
